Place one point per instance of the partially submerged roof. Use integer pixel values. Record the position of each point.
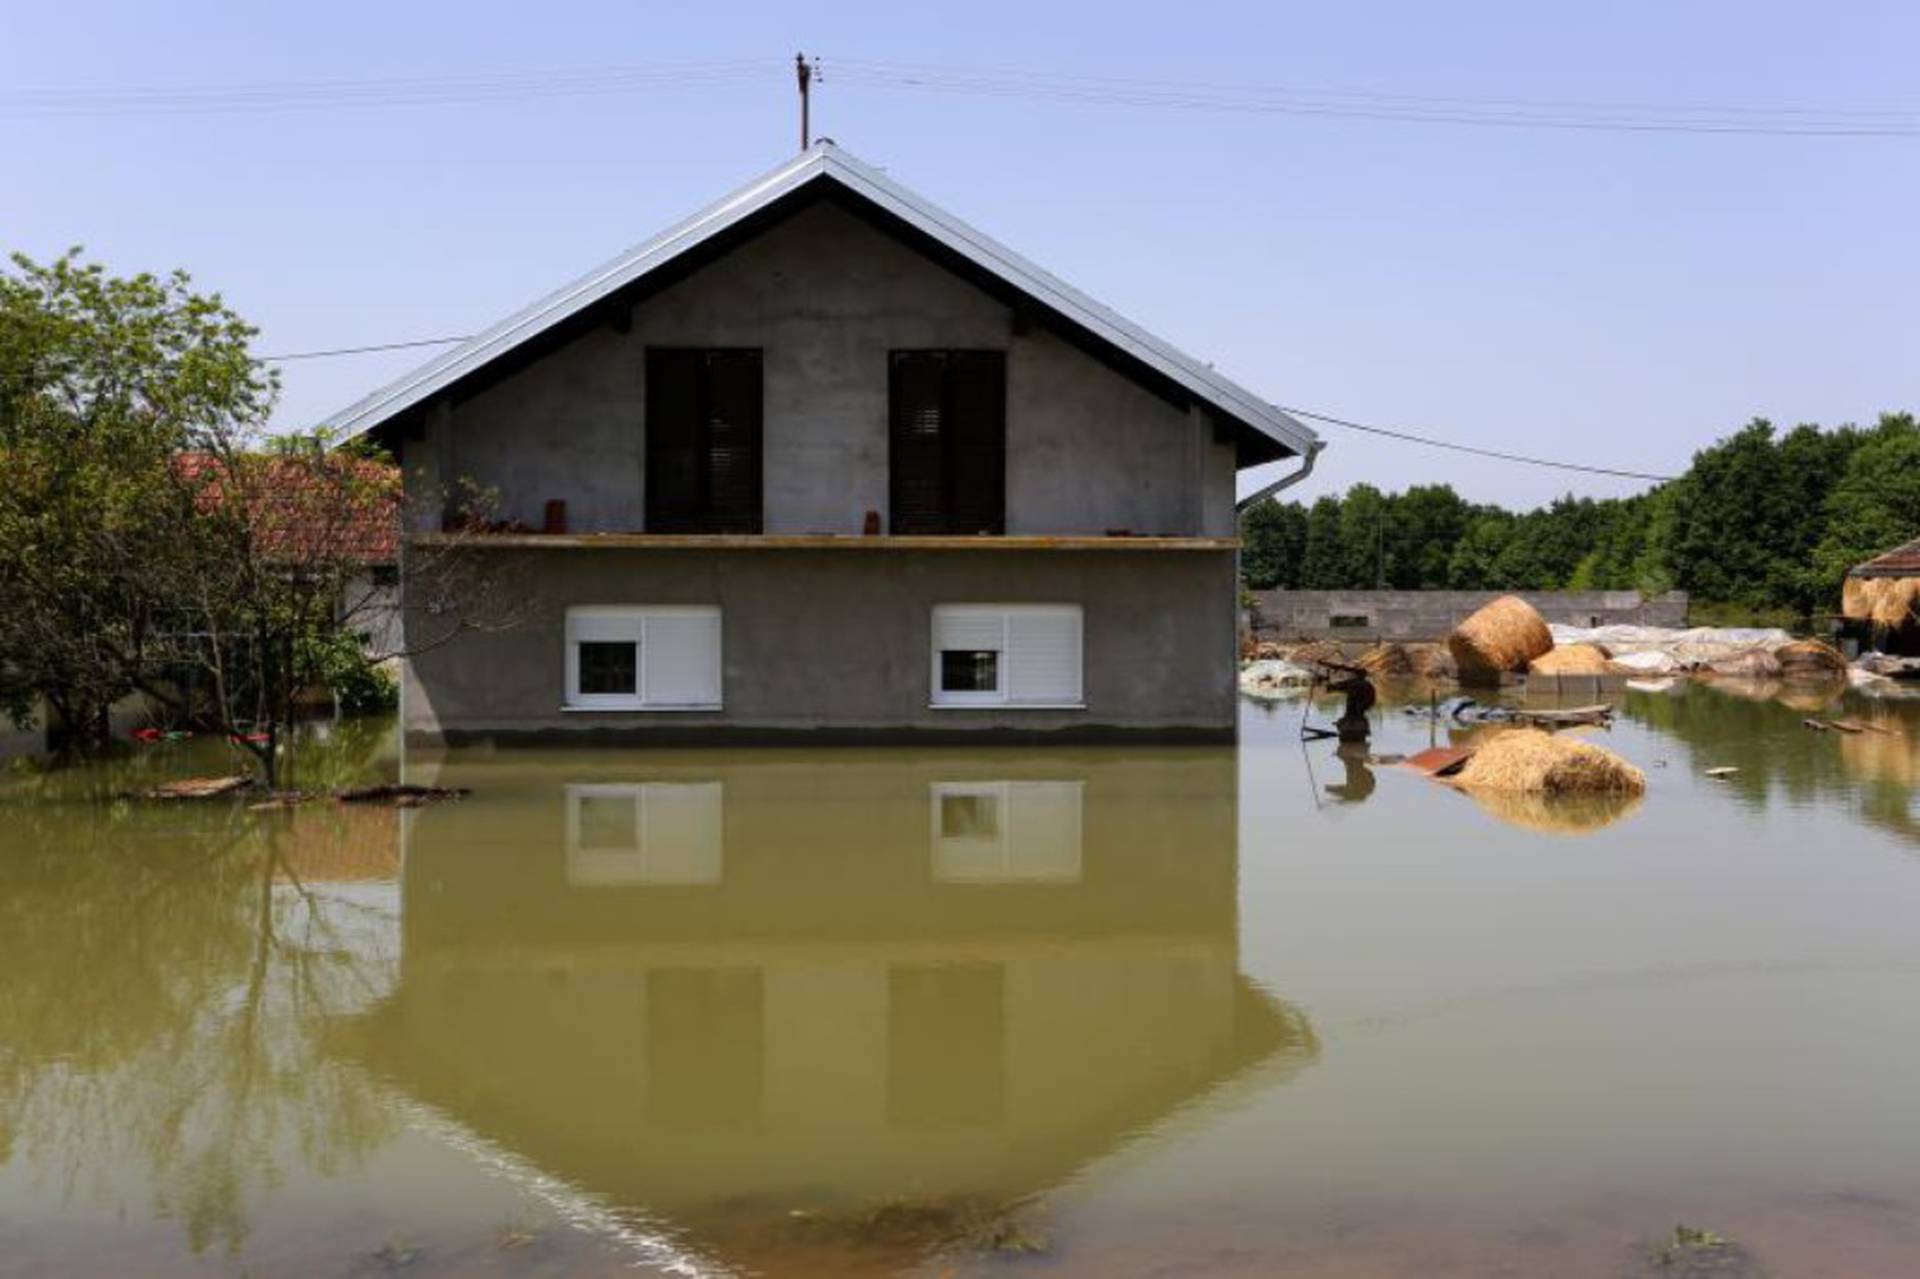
(1901, 561)
(1263, 432)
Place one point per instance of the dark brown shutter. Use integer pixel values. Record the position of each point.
(672, 433)
(947, 455)
(703, 441)
(732, 444)
(918, 500)
(976, 428)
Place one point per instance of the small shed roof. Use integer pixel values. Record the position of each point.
(1901, 561)
(1268, 432)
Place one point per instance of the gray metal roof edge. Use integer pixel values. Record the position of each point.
(823, 158)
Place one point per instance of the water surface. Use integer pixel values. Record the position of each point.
(1275, 1010)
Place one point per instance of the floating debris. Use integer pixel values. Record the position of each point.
(400, 796)
(198, 787)
(1724, 770)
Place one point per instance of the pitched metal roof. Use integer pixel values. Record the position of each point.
(825, 162)
(1901, 561)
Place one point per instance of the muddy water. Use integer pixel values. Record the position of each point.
(1279, 1010)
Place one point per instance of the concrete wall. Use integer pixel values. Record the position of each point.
(838, 641)
(826, 297)
(1430, 615)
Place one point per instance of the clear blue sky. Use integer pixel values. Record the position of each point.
(1621, 298)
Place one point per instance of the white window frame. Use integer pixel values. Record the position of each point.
(617, 623)
(1001, 698)
(1009, 854)
(644, 864)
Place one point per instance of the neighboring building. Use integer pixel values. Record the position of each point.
(1432, 615)
(1880, 601)
(830, 463)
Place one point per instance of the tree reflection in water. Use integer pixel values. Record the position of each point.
(169, 975)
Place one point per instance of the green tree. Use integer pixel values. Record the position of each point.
(1322, 567)
(1874, 505)
(1273, 544)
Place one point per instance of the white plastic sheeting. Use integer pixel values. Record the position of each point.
(1637, 647)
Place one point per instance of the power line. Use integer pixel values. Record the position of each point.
(1310, 414)
(1477, 451)
(395, 91)
(1780, 120)
(356, 350)
(1783, 121)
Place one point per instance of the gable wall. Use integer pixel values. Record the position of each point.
(825, 297)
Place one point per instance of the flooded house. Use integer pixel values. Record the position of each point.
(1880, 600)
(823, 461)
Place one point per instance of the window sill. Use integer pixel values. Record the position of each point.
(636, 708)
(1006, 706)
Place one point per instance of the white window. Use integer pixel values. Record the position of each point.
(1006, 655)
(650, 833)
(1006, 832)
(663, 658)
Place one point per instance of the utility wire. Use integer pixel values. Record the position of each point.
(1633, 117)
(1109, 91)
(355, 350)
(1310, 414)
(1431, 442)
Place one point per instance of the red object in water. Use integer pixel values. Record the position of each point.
(556, 520)
(252, 739)
(1440, 761)
(147, 734)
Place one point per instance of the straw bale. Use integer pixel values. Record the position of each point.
(1540, 763)
(1811, 660)
(1571, 659)
(1503, 636)
(1884, 601)
(1318, 651)
(1754, 664)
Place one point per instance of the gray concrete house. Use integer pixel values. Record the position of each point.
(823, 462)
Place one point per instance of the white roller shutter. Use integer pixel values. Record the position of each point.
(1043, 655)
(680, 657)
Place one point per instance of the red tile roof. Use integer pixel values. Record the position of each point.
(299, 513)
(1901, 561)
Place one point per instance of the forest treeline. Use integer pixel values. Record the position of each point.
(1761, 521)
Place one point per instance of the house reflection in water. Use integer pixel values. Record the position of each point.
(788, 978)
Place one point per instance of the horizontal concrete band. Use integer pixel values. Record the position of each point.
(812, 542)
(817, 645)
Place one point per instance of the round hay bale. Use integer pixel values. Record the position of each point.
(1810, 660)
(1318, 651)
(1540, 763)
(1504, 636)
(1554, 814)
(1571, 659)
(1387, 661)
(1754, 664)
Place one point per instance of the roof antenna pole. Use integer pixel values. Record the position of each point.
(803, 72)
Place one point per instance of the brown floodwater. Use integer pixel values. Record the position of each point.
(1279, 1010)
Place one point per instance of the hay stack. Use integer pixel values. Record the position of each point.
(1810, 660)
(1535, 762)
(1387, 661)
(1754, 664)
(1504, 636)
(1318, 651)
(1571, 659)
(1892, 602)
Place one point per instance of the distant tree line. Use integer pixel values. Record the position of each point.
(1761, 521)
